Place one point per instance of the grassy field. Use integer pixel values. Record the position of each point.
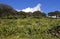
(27, 28)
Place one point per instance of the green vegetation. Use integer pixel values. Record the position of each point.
(27, 28)
(22, 25)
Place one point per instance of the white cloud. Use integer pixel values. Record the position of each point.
(36, 8)
(18, 10)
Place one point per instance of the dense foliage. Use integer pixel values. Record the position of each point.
(56, 13)
(7, 11)
(35, 25)
(28, 28)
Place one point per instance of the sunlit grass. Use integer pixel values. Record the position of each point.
(27, 28)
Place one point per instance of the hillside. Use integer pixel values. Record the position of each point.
(28, 25)
(27, 28)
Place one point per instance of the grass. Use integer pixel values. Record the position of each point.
(27, 28)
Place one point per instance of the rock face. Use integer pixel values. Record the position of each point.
(55, 31)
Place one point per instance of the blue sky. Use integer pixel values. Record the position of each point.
(46, 5)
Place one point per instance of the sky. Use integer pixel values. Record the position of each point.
(33, 5)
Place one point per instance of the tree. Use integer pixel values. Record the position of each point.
(38, 14)
(21, 14)
(6, 10)
(28, 14)
(55, 13)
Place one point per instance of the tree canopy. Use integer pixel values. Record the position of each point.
(55, 13)
(7, 11)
